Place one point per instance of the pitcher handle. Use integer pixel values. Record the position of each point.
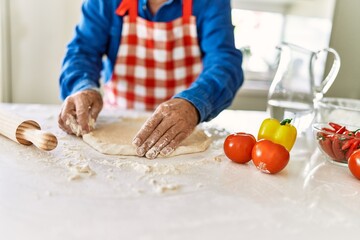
(330, 78)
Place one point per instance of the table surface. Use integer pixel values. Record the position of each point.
(74, 192)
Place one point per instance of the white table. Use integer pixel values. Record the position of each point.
(197, 196)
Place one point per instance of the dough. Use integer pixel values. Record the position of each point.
(116, 138)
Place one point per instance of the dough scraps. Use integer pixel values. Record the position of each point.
(116, 138)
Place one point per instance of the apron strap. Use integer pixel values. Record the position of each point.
(132, 7)
(187, 10)
(128, 5)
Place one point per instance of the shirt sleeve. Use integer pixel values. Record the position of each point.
(222, 75)
(82, 64)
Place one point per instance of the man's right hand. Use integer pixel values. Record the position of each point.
(80, 111)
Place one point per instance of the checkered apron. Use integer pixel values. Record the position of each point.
(155, 60)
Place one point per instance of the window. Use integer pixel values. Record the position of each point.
(256, 35)
(259, 26)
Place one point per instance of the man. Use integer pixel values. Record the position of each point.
(175, 56)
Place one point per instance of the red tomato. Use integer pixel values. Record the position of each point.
(270, 157)
(354, 163)
(238, 147)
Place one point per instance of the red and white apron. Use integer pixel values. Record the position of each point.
(155, 60)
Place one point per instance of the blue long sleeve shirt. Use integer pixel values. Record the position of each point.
(93, 51)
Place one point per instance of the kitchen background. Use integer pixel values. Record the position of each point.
(34, 34)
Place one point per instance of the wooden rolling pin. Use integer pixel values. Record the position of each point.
(25, 132)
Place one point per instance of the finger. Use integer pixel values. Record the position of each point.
(82, 115)
(174, 143)
(94, 113)
(96, 108)
(147, 129)
(163, 142)
(63, 126)
(67, 110)
(154, 137)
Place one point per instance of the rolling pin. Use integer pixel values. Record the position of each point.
(25, 132)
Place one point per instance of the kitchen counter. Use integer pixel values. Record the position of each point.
(74, 192)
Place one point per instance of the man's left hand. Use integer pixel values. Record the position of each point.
(169, 125)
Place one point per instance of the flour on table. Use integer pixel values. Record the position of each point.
(116, 138)
(163, 187)
(79, 171)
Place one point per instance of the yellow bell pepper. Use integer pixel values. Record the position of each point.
(282, 133)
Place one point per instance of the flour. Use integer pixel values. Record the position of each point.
(219, 158)
(199, 185)
(159, 176)
(48, 193)
(74, 160)
(157, 168)
(142, 168)
(163, 186)
(167, 188)
(76, 128)
(79, 171)
(162, 177)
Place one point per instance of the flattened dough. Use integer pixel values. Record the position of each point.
(115, 138)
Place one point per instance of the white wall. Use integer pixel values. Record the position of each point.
(3, 52)
(40, 30)
(313, 8)
(345, 39)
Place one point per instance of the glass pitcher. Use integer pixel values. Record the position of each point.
(294, 91)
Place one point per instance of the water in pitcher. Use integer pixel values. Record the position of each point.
(301, 112)
(293, 90)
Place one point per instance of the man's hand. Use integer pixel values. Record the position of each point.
(79, 112)
(170, 124)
